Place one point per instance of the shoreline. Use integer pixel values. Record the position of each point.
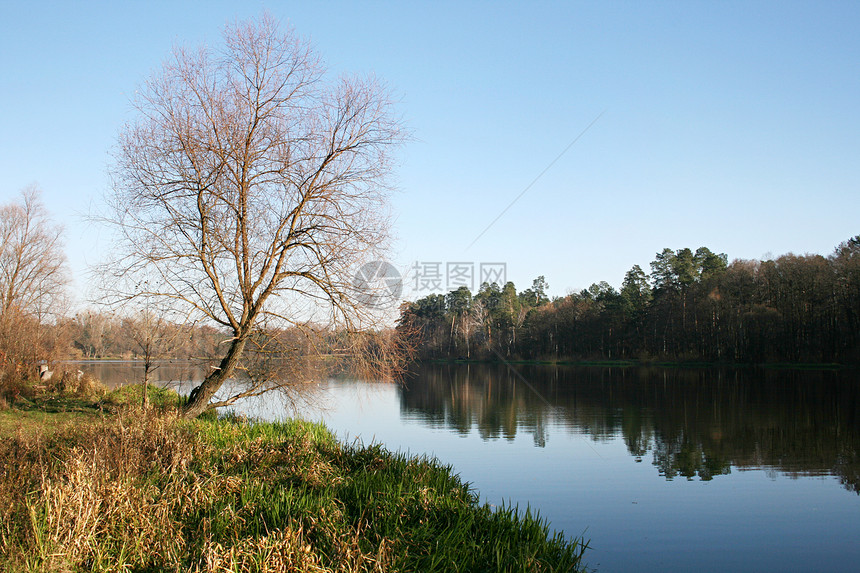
(104, 485)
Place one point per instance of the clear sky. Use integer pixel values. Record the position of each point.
(731, 125)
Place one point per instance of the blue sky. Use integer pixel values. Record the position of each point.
(731, 125)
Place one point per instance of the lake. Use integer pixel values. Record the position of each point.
(663, 469)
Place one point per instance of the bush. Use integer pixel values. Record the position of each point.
(76, 383)
(24, 341)
(14, 386)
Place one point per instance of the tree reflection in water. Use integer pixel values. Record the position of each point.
(695, 423)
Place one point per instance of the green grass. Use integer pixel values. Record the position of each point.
(128, 489)
(132, 394)
(51, 411)
(34, 421)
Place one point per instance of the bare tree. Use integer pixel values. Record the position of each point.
(93, 331)
(33, 280)
(33, 274)
(250, 188)
(155, 337)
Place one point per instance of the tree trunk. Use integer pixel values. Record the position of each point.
(200, 396)
(146, 368)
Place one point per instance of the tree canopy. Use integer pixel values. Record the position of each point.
(250, 187)
(692, 306)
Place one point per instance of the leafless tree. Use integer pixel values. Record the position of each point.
(155, 338)
(93, 331)
(249, 190)
(33, 280)
(33, 274)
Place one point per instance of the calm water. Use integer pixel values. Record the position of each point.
(662, 469)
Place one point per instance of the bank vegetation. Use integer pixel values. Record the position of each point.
(120, 488)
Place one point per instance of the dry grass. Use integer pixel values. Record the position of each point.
(123, 491)
(281, 551)
(144, 491)
(76, 383)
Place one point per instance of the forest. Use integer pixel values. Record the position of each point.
(692, 306)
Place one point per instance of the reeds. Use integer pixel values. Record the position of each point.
(144, 491)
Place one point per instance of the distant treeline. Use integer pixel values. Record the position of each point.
(693, 306)
(92, 335)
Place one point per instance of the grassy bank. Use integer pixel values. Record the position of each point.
(126, 489)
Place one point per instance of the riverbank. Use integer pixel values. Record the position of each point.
(117, 487)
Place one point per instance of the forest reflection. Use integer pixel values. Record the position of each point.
(693, 423)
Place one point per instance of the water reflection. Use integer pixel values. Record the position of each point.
(114, 373)
(592, 424)
(695, 424)
(691, 423)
